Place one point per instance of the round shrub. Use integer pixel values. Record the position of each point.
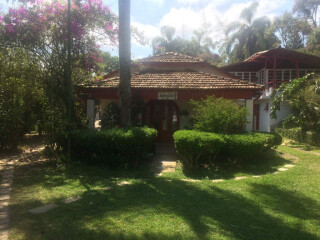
(219, 115)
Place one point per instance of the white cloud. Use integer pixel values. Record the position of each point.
(149, 31)
(218, 13)
(158, 2)
(187, 19)
(188, 1)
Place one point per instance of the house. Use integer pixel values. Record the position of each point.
(271, 68)
(166, 83)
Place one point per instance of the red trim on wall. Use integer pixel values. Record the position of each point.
(149, 94)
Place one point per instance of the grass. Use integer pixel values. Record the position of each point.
(302, 146)
(281, 206)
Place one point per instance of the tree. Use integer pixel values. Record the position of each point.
(218, 115)
(303, 96)
(21, 97)
(165, 42)
(249, 36)
(200, 45)
(109, 63)
(313, 43)
(289, 29)
(308, 10)
(125, 62)
(40, 30)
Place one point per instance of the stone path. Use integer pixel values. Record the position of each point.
(7, 165)
(284, 168)
(7, 171)
(165, 159)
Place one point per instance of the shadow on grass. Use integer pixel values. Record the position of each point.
(153, 208)
(267, 163)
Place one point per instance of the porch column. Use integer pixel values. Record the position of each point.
(91, 113)
(274, 71)
(249, 106)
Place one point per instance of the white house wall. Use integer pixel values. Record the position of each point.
(249, 106)
(264, 122)
(281, 115)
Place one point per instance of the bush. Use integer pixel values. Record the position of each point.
(219, 115)
(299, 135)
(116, 147)
(242, 147)
(111, 116)
(196, 148)
(191, 146)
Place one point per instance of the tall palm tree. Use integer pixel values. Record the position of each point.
(165, 42)
(125, 62)
(248, 36)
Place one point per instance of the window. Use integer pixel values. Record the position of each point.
(246, 76)
(270, 75)
(253, 77)
(302, 73)
(279, 75)
(262, 80)
(286, 75)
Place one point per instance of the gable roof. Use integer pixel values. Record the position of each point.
(304, 58)
(178, 80)
(171, 57)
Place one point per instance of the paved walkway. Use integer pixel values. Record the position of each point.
(283, 168)
(7, 170)
(164, 160)
(7, 164)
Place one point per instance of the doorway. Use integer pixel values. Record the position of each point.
(162, 115)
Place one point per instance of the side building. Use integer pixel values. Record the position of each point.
(271, 68)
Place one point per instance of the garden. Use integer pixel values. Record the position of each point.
(71, 182)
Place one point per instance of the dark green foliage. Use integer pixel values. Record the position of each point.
(303, 96)
(115, 147)
(109, 63)
(191, 146)
(21, 97)
(218, 115)
(241, 147)
(111, 116)
(299, 135)
(197, 148)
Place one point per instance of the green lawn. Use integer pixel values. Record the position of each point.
(280, 206)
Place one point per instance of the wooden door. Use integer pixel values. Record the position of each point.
(163, 115)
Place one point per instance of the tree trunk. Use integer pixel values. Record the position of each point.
(125, 62)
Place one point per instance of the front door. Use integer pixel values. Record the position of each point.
(162, 115)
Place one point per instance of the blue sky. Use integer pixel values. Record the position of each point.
(186, 16)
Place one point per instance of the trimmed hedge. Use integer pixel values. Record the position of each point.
(240, 147)
(192, 145)
(197, 148)
(299, 135)
(116, 147)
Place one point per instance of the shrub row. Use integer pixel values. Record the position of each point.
(196, 148)
(116, 147)
(299, 135)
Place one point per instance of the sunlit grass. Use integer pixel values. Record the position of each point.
(281, 206)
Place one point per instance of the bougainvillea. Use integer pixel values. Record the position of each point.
(40, 29)
(42, 26)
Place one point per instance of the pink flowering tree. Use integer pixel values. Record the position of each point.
(39, 28)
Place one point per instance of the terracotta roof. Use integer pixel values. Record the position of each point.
(303, 58)
(171, 57)
(178, 80)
